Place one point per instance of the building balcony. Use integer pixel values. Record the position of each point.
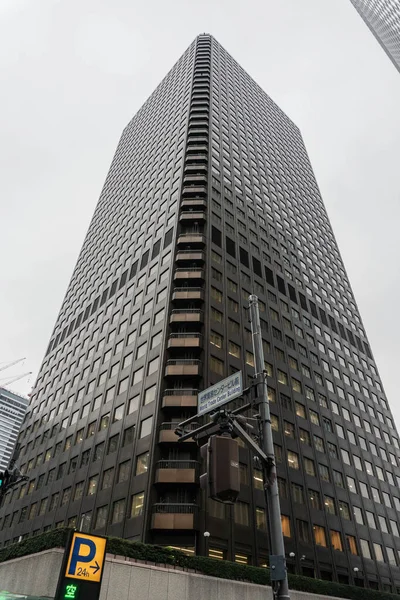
(179, 398)
(200, 96)
(193, 273)
(198, 121)
(177, 471)
(191, 238)
(193, 203)
(196, 152)
(185, 255)
(194, 190)
(191, 179)
(186, 315)
(195, 170)
(174, 516)
(197, 139)
(191, 215)
(188, 293)
(195, 147)
(167, 434)
(185, 340)
(199, 111)
(182, 367)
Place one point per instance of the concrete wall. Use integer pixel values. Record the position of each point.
(37, 575)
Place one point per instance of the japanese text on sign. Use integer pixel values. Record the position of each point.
(222, 392)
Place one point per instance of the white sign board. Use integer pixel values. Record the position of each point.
(222, 392)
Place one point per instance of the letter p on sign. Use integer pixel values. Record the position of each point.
(86, 557)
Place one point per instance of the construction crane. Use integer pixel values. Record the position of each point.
(11, 364)
(14, 379)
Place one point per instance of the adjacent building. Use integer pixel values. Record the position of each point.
(211, 197)
(12, 412)
(383, 19)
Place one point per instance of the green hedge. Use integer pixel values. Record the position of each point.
(209, 566)
(57, 538)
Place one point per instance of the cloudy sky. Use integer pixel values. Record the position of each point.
(73, 73)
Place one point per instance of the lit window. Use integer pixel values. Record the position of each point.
(142, 463)
(137, 505)
(285, 522)
(336, 540)
(319, 535)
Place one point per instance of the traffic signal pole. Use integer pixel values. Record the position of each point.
(279, 578)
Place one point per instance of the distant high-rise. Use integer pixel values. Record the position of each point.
(12, 412)
(383, 19)
(211, 197)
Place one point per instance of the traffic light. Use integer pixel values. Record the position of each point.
(221, 459)
(4, 480)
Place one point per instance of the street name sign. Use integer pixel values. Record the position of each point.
(222, 392)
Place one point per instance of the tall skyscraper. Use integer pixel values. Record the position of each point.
(383, 19)
(211, 197)
(12, 412)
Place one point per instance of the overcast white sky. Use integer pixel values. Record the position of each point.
(73, 73)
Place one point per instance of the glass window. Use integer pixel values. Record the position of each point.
(241, 513)
(330, 505)
(152, 367)
(305, 437)
(118, 511)
(133, 404)
(289, 429)
(104, 422)
(370, 519)
(137, 505)
(345, 456)
(297, 493)
(118, 413)
(351, 544)
(142, 463)
(378, 552)
(92, 485)
(128, 436)
(315, 499)
(261, 518)
(123, 471)
(285, 521)
(336, 540)
(319, 444)
(138, 376)
(319, 535)
(309, 467)
(300, 410)
(249, 358)
(391, 556)
(233, 349)
(258, 480)
(216, 365)
(216, 339)
(324, 472)
(146, 427)
(293, 459)
(101, 517)
(394, 527)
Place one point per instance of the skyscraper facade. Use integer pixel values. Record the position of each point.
(211, 197)
(383, 19)
(12, 412)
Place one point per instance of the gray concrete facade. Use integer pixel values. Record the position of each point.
(37, 575)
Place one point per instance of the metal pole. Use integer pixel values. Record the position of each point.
(277, 558)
